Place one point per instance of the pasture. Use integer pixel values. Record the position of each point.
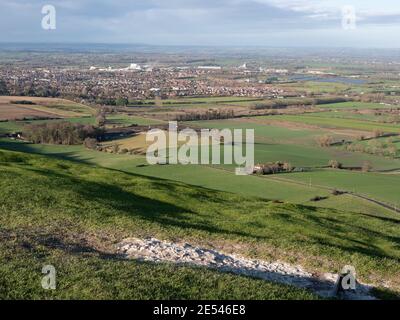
(383, 187)
(298, 145)
(128, 120)
(356, 105)
(366, 115)
(322, 121)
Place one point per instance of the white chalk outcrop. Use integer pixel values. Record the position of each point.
(159, 251)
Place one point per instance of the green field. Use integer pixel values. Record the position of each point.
(14, 126)
(204, 176)
(266, 217)
(385, 187)
(9, 126)
(216, 178)
(355, 105)
(329, 122)
(273, 143)
(349, 114)
(323, 192)
(68, 214)
(318, 87)
(70, 106)
(297, 146)
(123, 119)
(263, 132)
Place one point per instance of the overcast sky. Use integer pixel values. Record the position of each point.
(205, 22)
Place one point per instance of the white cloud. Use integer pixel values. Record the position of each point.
(198, 21)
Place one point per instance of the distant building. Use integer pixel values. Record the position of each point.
(209, 68)
(134, 66)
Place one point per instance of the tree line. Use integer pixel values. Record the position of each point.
(208, 115)
(283, 103)
(64, 133)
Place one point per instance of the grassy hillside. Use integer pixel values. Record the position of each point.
(84, 273)
(266, 187)
(71, 215)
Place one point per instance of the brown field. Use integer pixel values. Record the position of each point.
(12, 112)
(42, 108)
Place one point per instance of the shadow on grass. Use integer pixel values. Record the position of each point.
(12, 145)
(170, 215)
(107, 195)
(385, 294)
(385, 219)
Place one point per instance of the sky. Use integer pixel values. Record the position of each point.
(273, 23)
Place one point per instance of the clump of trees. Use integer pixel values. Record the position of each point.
(360, 137)
(121, 101)
(101, 118)
(394, 119)
(28, 89)
(318, 198)
(337, 192)
(65, 133)
(283, 103)
(90, 143)
(379, 147)
(325, 141)
(115, 148)
(373, 97)
(366, 167)
(208, 115)
(377, 133)
(334, 164)
(26, 102)
(3, 88)
(273, 168)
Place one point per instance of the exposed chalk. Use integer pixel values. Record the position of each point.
(159, 251)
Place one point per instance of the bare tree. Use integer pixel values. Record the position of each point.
(377, 133)
(334, 164)
(366, 167)
(90, 143)
(325, 141)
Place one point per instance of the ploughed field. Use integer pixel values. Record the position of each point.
(21, 108)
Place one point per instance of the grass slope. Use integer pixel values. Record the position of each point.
(266, 187)
(70, 215)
